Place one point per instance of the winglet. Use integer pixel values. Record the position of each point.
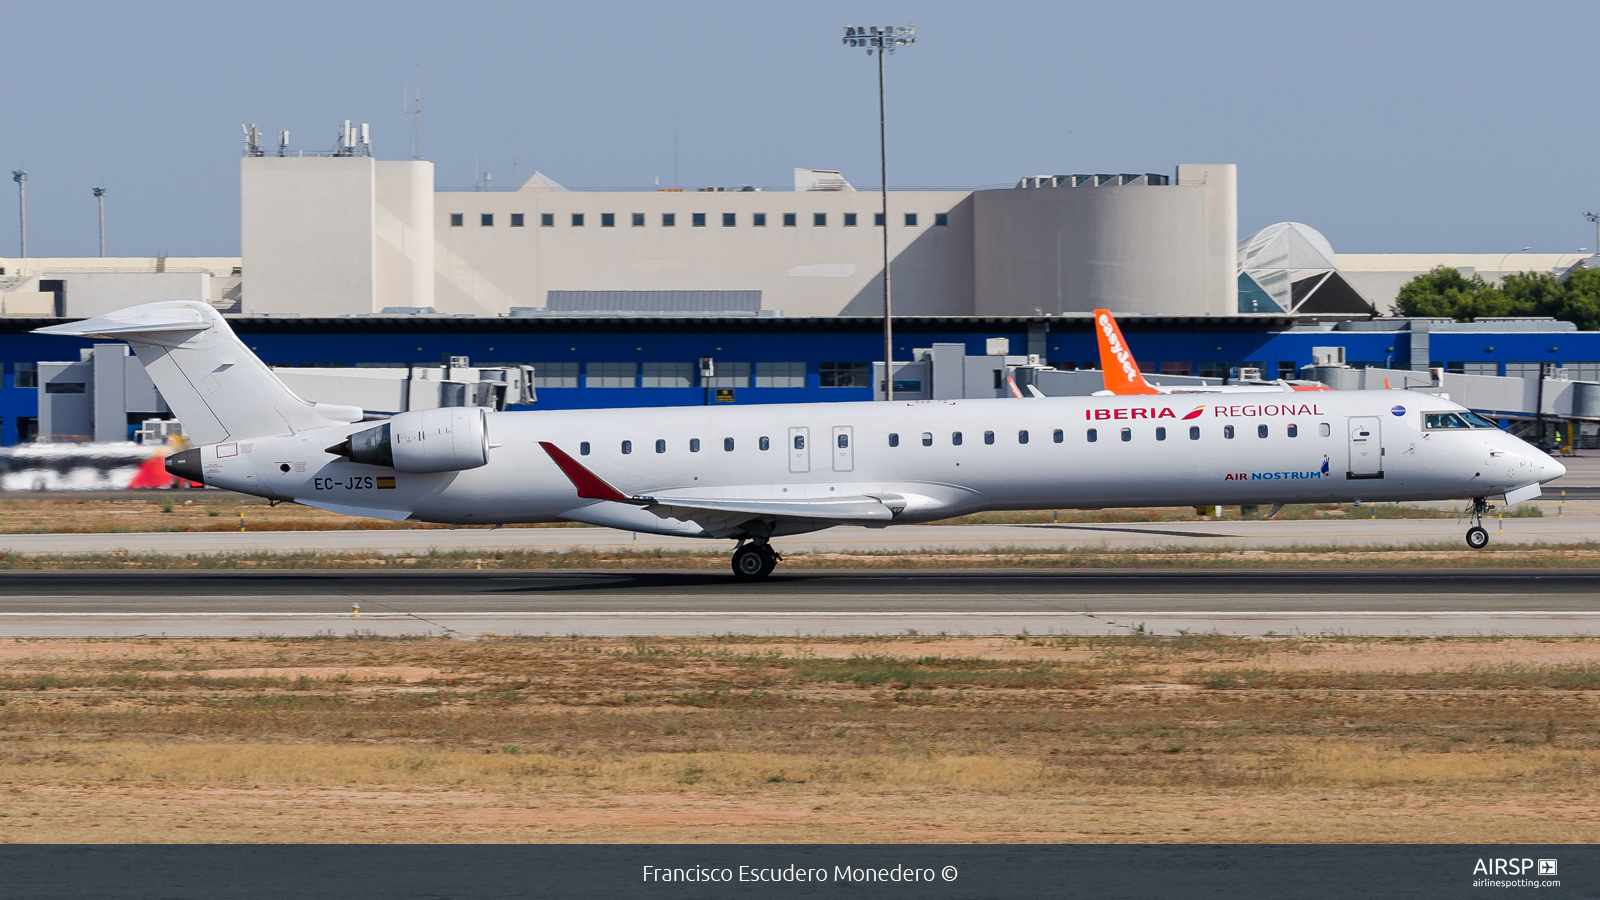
(1116, 360)
(590, 486)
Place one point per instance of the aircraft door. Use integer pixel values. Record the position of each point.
(799, 450)
(843, 449)
(1366, 448)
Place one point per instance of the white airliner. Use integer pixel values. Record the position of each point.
(751, 473)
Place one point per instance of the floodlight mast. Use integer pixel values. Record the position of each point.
(885, 39)
(100, 196)
(1595, 218)
(21, 178)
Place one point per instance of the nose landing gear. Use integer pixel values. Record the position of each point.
(1477, 536)
(755, 560)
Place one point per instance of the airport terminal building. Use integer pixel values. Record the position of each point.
(741, 294)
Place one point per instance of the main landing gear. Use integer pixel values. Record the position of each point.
(754, 560)
(1477, 537)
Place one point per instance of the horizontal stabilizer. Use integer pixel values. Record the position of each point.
(163, 320)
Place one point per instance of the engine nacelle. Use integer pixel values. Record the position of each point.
(425, 440)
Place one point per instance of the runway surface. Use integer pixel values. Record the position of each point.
(638, 603)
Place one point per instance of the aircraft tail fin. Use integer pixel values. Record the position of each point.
(1116, 360)
(215, 386)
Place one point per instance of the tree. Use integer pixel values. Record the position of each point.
(1444, 292)
(1581, 303)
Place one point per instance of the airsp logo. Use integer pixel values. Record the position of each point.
(1500, 866)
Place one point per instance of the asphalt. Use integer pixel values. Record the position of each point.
(76, 603)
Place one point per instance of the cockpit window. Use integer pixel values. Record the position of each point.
(1461, 419)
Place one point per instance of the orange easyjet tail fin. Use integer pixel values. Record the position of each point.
(1116, 360)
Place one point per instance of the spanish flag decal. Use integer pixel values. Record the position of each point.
(385, 482)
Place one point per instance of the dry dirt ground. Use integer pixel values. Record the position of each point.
(917, 738)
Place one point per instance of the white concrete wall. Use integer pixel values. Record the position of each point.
(805, 270)
(1381, 275)
(97, 293)
(1162, 249)
(327, 236)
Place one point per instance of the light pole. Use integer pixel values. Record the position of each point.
(1595, 218)
(1503, 262)
(100, 195)
(21, 178)
(884, 39)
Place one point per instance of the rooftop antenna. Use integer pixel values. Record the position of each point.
(283, 143)
(252, 139)
(413, 107)
(365, 146)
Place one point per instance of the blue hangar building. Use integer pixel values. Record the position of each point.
(584, 362)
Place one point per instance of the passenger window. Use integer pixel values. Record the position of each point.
(1227, 432)
(694, 445)
(1093, 435)
(583, 449)
(1022, 437)
(955, 438)
(799, 442)
(1294, 430)
(627, 447)
(1261, 431)
(1161, 434)
(1194, 432)
(1127, 434)
(1059, 436)
(927, 439)
(1324, 429)
(844, 441)
(894, 439)
(727, 445)
(661, 446)
(762, 444)
(988, 437)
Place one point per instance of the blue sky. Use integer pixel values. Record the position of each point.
(1390, 127)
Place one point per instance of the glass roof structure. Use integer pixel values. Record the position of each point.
(1290, 268)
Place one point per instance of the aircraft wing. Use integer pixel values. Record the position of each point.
(716, 515)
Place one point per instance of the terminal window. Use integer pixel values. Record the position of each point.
(729, 220)
(1522, 370)
(547, 220)
(781, 374)
(608, 220)
(698, 220)
(577, 220)
(877, 219)
(667, 375)
(849, 220)
(638, 220)
(1214, 369)
(759, 220)
(788, 220)
(486, 219)
(1585, 371)
(456, 220)
(668, 220)
(844, 374)
(1175, 368)
(819, 220)
(1287, 369)
(555, 375)
(941, 220)
(911, 220)
(611, 374)
(516, 220)
(27, 375)
(729, 375)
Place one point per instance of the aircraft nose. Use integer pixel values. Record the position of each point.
(1550, 469)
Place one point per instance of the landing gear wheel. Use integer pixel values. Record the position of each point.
(1477, 538)
(754, 562)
